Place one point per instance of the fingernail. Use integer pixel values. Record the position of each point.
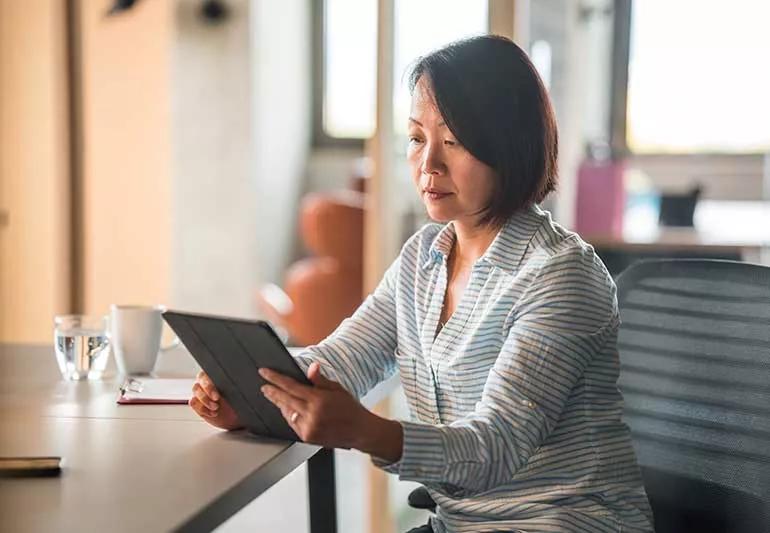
(263, 372)
(214, 406)
(214, 396)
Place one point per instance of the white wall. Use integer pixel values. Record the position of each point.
(281, 43)
(214, 263)
(241, 123)
(724, 177)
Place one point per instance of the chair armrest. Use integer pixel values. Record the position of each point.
(420, 499)
(277, 308)
(273, 300)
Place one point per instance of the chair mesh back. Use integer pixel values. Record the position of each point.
(695, 374)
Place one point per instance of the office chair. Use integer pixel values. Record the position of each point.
(695, 375)
(323, 289)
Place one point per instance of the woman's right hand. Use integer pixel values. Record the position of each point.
(209, 404)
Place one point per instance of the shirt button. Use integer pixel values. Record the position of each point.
(528, 403)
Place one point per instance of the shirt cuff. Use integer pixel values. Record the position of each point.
(421, 455)
(306, 357)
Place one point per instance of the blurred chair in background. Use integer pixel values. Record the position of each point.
(325, 288)
(695, 375)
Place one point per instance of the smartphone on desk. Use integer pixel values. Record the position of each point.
(29, 466)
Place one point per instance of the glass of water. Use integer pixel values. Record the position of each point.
(82, 346)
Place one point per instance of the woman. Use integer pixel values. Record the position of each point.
(502, 325)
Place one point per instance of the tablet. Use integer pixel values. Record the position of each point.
(231, 351)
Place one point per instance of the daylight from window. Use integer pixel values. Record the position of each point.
(350, 43)
(350, 59)
(699, 77)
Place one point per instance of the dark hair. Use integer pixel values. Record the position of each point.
(494, 102)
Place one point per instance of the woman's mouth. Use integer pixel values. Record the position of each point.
(435, 196)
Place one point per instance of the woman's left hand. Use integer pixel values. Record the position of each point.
(326, 413)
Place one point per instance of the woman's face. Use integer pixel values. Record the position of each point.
(452, 183)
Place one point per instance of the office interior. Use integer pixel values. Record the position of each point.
(209, 155)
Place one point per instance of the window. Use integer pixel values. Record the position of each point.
(698, 80)
(349, 68)
(346, 73)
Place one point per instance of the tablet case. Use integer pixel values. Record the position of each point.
(231, 351)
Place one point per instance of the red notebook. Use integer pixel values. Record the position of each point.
(138, 391)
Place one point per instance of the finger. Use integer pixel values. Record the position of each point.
(201, 395)
(204, 398)
(201, 409)
(283, 399)
(286, 383)
(318, 379)
(199, 391)
(209, 387)
(196, 405)
(287, 414)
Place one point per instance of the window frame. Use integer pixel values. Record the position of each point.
(621, 55)
(500, 15)
(321, 138)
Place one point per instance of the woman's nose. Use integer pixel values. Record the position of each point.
(432, 162)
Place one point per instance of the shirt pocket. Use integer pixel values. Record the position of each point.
(418, 386)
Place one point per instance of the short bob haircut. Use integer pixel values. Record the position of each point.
(495, 104)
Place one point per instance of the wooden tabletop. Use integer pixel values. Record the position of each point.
(125, 468)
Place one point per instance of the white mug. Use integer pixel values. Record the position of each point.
(136, 332)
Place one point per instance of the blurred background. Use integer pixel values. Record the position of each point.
(247, 158)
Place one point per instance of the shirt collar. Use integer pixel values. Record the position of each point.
(508, 246)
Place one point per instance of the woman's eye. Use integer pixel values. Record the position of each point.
(414, 140)
(449, 142)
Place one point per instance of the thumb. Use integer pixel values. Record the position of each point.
(318, 379)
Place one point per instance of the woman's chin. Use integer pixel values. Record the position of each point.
(439, 215)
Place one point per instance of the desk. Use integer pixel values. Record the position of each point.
(738, 231)
(136, 468)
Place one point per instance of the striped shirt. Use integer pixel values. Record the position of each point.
(515, 412)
